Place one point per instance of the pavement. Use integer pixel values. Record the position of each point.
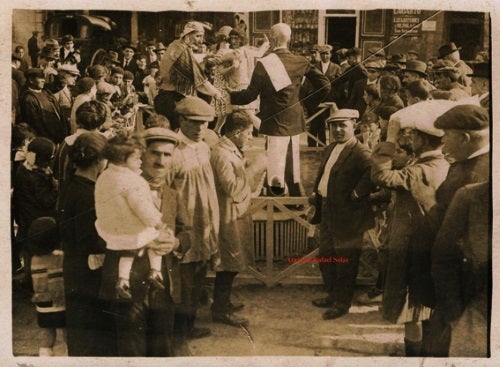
(283, 322)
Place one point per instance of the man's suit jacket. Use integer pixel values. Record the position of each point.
(350, 173)
(131, 66)
(72, 57)
(281, 112)
(332, 73)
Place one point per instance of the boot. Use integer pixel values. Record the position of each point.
(413, 349)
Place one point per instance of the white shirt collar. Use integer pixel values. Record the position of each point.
(479, 152)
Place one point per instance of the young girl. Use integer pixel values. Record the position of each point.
(127, 218)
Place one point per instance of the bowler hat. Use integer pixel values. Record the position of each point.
(447, 49)
(398, 59)
(194, 108)
(355, 51)
(416, 66)
(464, 117)
(481, 70)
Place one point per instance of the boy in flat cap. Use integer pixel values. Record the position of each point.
(341, 192)
(466, 142)
(180, 74)
(406, 292)
(192, 176)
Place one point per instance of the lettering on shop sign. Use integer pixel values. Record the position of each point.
(317, 259)
(406, 21)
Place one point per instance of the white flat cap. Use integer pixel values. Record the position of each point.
(344, 114)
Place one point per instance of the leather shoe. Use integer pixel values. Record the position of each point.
(235, 307)
(229, 319)
(324, 302)
(199, 332)
(334, 313)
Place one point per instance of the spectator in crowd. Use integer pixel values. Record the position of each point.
(354, 73)
(466, 141)
(145, 324)
(150, 85)
(481, 83)
(180, 74)
(461, 268)
(141, 72)
(417, 91)
(18, 81)
(98, 73)
(342, 188)
(450, 52)
(40, 109)
(34, 194)
(373, 70)
(67, 53)
(378, 55)
(47, 62)
(332, 72)
(411, 55)
(33, 49)
(406, 292)
(384, 114)
(67, 75)
(371, 96)
(233, 182)
(150, 53)
(277, 79)
(128, 62)
(48, 286)
(90, 116)
(342, 57)
(447, 79)
(20, 53)
(389, 88)
(86, 91)
(160, 51)
(89, 328)
(192, 176)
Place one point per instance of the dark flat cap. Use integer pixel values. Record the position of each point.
(464, 117)
(34, 72)
(195, 108)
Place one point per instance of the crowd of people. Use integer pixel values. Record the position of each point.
(115, 228)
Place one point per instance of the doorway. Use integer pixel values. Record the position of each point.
(341, 32)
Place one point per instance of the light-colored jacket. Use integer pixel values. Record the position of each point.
(126, 214)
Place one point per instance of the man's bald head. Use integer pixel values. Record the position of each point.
(280, 33)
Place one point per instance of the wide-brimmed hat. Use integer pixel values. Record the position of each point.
(417, 66)
(481, 70)
(193, 26)
(447, 49)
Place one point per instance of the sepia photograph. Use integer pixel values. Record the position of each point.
(272, 183)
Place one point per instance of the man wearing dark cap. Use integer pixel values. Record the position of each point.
(466, 142)
(343, 212)
(481, 83)
(145, 325)
(411, 55)
(40, 109)
(451, 53)
(192, 176)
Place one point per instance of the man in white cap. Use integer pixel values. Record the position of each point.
(342, 189)
(277, 78)
(181, 75)
(192, 176)
(407, 270)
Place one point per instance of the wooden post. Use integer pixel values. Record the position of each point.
(269, 242)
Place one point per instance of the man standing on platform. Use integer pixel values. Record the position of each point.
(277, 79)
(33, 49)
(343, 211)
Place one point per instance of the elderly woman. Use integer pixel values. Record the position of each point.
(87, 326)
